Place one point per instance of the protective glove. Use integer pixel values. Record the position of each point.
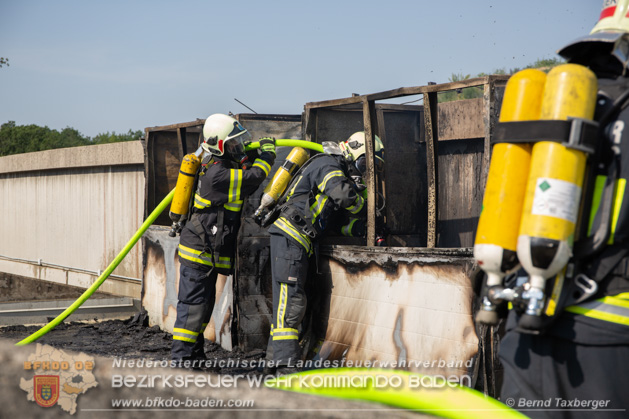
(267, 144)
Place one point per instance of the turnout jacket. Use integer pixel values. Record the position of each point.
(616, 137)
(208, 239)
(323, 187)
(610, 306)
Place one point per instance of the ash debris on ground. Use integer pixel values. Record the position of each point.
(132, 338)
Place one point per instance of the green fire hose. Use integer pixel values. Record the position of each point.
(402, 389)
(291, 143)
(151, 218)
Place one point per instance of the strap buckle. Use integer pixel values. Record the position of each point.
(585, 288)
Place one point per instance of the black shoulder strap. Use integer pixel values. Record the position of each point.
(592, 245)
(606, 262)
(282, 199)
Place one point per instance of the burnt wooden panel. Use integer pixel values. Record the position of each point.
(164, 155)
(492, 95)
(409, 91)
(461, 119)
(163, 149)
(405, 178)
(369, 178)
(431, 123)
(460, 191)
(252, 285)
(336, 124)
(277, 126)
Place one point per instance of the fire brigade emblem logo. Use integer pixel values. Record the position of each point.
(58, 379)
(46, 389)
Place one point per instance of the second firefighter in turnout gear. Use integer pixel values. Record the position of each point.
(208, 239)
(323, 187)
(582, 355)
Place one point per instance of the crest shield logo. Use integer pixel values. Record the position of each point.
(46, 389)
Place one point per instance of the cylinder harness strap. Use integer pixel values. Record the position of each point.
(578, 133)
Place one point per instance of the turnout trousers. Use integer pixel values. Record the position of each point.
(197, 289)
(289, 270)
(564, 379)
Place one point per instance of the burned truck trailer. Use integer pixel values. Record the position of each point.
(408, 304)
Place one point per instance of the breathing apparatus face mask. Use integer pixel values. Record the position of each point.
(361, 165)
(357, 171)
(235, 149)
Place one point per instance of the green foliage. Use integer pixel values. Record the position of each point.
(4, 61)
(544, 64)
(547, 63)
(107, 138)
(459, 94)
(16, 139)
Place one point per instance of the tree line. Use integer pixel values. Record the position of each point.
(16, 139)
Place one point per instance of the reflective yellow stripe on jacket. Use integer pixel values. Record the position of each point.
(201, 203)
(266, 168)
(610, 309)
(327, 177)
(357, 206)
(235, 206)
(347, 229)
(317, 206)
(235, 183)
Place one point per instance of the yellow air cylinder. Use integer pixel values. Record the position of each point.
(553, 191)
(282, 177)
(183, 189)
(497, 234)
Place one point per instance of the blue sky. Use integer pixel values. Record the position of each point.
(101, 66)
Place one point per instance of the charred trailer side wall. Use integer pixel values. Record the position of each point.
(400, 308)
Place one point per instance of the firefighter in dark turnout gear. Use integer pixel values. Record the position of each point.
(581, 358)
(208, 239)
(323, 186)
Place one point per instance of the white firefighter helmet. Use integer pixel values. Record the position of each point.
(607, 37)
(354, 150)
(222, 134)
(613, 17)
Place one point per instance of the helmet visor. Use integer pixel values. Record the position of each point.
(235, 146)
